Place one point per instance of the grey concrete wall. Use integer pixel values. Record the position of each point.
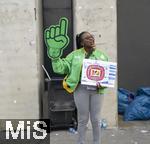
(21, 52)
(99, 18)
(19, 59)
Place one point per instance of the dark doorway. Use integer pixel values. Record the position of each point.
(133, 43)
(53, 11)
(58, 105)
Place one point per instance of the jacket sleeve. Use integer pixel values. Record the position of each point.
(62, 66)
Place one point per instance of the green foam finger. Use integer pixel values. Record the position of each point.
(63, 26)
(56, 38)
(47, 33)
(57, 31)
(46, 36)
(52, 31)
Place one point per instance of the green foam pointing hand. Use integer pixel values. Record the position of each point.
(56, 38)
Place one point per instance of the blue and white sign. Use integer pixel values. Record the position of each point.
(94, 71)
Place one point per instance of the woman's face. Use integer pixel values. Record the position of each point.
(88, 40)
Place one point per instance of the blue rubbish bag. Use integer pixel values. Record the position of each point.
(139, 109)
(143, 91)
(125, 97)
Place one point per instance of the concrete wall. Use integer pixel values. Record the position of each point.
(21, 52)
(19, 59)
(99, 18)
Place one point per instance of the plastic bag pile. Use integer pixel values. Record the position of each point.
(134, 106)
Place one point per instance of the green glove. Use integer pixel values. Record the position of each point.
(56, 38)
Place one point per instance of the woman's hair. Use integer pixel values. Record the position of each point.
(79, 39)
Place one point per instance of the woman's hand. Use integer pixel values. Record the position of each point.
(98, 84)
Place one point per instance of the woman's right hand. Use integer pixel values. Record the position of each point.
(98, 84)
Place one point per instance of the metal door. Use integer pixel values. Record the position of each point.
(133, 43)
(61, 107)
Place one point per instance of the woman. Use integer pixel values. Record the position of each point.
(87, 98)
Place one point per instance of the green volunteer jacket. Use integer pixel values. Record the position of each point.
(72, 66)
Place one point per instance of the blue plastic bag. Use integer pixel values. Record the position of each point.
(139, 109)
(143, 91)
(125, 97)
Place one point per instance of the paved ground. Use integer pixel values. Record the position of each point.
(127, 133)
